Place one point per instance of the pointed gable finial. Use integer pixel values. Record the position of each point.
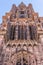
(30, 7)
(13, 7)
(22, 5)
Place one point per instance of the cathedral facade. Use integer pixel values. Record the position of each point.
(21, 36)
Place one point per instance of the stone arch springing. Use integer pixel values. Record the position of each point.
(29, 44)
(8, 45)
(18, 47)
(35, 45)
(30, 49)
(25, 47)
(14, 45)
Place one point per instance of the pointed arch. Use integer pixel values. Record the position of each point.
(19, 47)
(25, 47)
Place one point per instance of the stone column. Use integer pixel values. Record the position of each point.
(21, 32)
(24, 32)
(41, 47)
(28, 35)
(41, 53)
(37, 55)
(1, 56)
(1, 49)
(33, 62)
(16, 32)
(28, 58)
(22, 59)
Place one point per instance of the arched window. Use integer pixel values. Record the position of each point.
(35, 49)
(12, 32)
(25, 62)
(25, 47)
(14, 48)
(19, 47)
(30, 49)
(33, 32)
(23, 32)
(12, 16)
(22, 14)
(8, 45)
(31, 36)
(18, 62)
(20, 32)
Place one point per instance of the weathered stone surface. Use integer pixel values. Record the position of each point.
(21, 37)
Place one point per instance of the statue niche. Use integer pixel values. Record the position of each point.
(25, 62)
(13, 16)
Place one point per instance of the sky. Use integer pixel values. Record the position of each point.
(5, 6)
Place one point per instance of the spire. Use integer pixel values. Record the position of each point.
(13, 7)
(22, 5)
(30, 7)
